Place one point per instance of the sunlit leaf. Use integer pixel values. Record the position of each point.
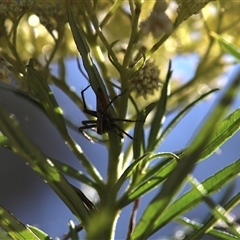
(216, 209)
(186, 164)
(211, 222)
(138, 142)
(151, 179)
(227, 46)
(225, 130)
(39, 89)
(39, 233)
(192, 198)
(15, 228)
(41, 164)
(212, 232)
(182, 113)
(83, 48)
(158, 118)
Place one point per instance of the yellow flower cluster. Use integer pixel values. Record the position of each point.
(146, 80)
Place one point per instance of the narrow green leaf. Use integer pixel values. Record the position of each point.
(39, 233)
(94, 77)
(15, 228)
(83, 48)
(125, 175)
(3, 140)
(199, 233)
(182, 114)
(217, 211)
(153, 178)
(227, 46)
(177, 177)
(138, 142)
(41, 164)
(74, 173)
(213, 232)
(192, 198)
(157, 121)
(225, 130)
(40, 90)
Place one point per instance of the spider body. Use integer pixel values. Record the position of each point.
(104, 122)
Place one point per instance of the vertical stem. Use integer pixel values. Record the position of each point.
(113, 160)
(103, 224)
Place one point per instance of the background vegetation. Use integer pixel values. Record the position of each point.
(124, 46)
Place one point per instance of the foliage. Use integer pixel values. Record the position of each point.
(124, 58)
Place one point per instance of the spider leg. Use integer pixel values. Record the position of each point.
(80, 129)
(87, 122)
(120, 119)
(90, 112)
(115, 98)
(102, 103)
(119, 131)
(83, 98)
(85, 109)
(127, 120)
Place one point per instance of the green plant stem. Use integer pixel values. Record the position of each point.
(110, 13)
(114, 160)
(98, 30)
(15, 54)
(56, 47)
(134, 36)
(154, 48)
(103, 224)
